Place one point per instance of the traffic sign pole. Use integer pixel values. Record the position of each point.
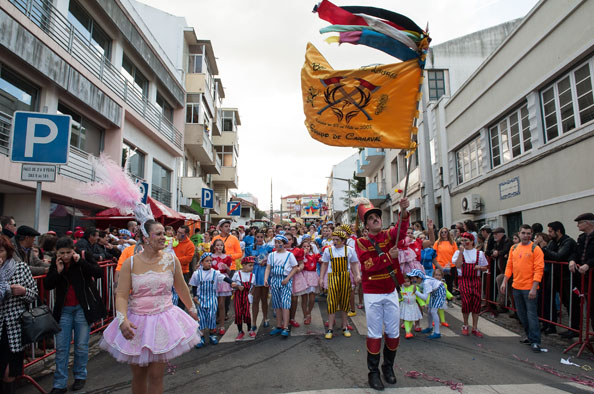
(37, 205)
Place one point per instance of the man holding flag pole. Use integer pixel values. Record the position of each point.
(378, 107)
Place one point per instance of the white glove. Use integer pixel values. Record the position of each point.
(251, 298)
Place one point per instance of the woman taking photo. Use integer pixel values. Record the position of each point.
(149, 330)
(78, 305)
(17, 290)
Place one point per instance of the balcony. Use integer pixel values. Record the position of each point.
(196, 83)
(199, 144)
(228, 178)
(57, 27)
(161, 194)
(191, 187)
(369, 160)
(217, 124)
(375, 192)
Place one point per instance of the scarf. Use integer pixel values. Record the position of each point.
(6, 271)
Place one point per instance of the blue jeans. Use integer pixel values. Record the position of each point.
(527, 312)
(72, 318)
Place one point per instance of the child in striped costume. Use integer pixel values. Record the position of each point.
(281, 267)
(338, 260)
(243, 296)
(436, 289)
(204, 282)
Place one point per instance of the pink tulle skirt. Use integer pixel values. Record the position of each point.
(406, 255)
(224, 289)
(158, 338)
(299, 284)
(411, 265)
(312, 279)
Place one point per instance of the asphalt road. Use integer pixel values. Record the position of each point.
(306, 362)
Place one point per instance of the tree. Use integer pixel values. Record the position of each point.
(260, 214)
(357, 185)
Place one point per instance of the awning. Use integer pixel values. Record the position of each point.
(161, 212)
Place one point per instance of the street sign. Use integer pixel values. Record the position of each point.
(144, 190)
(40, 138)
(207, 200)
(38, 173)
(233, 208)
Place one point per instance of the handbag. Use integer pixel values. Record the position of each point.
(37, 324)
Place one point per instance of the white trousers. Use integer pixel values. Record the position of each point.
(383, 314)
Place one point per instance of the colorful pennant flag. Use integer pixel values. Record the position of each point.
(371, 106)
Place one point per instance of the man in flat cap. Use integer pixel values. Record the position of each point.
(23, 247)
(582, 258)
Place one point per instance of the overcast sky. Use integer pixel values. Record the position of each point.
(260, 48)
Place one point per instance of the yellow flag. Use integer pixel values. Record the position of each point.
(369, 107)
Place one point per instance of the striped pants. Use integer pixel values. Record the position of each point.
(470, 292)
(339, 291)
(208, 317)
(280, 295)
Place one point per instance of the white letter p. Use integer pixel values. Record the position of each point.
(31, 139)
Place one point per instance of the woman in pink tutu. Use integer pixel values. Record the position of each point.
(312, 279)
(149, 329)
(299, 285)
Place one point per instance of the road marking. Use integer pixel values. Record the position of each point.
(232, 332)
(472, 389)
(360, 322)
(487, 327)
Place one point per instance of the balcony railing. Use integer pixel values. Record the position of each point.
(161, 194)
(57, 26)
(5, 124)
(78, 166)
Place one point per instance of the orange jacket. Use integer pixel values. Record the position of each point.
(185, 253)
(232, 247)
(525, 265)
(126, 254)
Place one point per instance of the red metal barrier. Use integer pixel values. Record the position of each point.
(107, 293)
(555, 286)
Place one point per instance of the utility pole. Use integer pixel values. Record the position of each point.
(271, 210)
(427, 168)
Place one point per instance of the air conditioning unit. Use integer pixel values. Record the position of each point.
(471, 203)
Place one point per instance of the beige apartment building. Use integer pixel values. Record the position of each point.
(520, 130)
(97, 62)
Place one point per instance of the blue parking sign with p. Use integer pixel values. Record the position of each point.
(40, 138)
(207, 200)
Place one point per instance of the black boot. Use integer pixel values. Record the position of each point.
(388, 365)
(375, 381)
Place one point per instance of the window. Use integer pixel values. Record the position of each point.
(135, 161)
(16, 94)
(568, 103)
(436, 84)
(468, 161)
(394, 167)
(161, 176)
(226, 154)
(228, 121)
(510, 137)
(86, 26)
(85, 135)
(193, 113)
(166, 108)
(195, 64)
(135, 77)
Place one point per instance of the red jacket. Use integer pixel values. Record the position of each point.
(374, 268)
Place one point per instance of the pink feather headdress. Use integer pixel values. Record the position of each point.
(115, 185)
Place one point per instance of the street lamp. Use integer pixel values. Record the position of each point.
(348, 181)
